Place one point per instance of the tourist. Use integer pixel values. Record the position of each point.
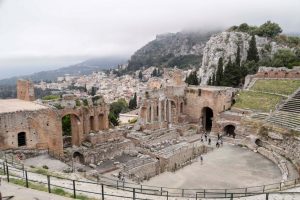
(209, 141)
(201, 159)
(217, 144)
(205, 135)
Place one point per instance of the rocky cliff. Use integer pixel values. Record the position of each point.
(225, 45)
(180, 49)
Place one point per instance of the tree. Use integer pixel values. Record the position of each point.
(284, 58)
(269, 29)
(238, 56)
(252, 51)
(192, 79)
(133, 102)
(140, 75)
(93, 91)
(154, 73)
(115, 109)
(231, 75)
(213, 81)
(209, 81)
(219, 73)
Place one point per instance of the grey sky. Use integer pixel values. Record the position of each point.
(41, 34)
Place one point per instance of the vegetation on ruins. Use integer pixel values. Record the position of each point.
(66, 125)
(116, 108)
(192, 79)
(133, 102)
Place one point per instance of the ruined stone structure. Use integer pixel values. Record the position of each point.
(25, 90)
(281, 72)
(27, 124)
(177, 103)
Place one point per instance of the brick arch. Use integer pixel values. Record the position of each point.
(76, 128)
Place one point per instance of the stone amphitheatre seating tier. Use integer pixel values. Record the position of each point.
(286, 119)
(260, 116)
(293, 105)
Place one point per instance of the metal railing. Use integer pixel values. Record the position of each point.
(106, 187)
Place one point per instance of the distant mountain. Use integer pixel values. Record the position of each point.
(182, 49)
(84, 68)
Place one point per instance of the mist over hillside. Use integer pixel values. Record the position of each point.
(83, 68)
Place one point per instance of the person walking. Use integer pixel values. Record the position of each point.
(201, 159)
(209, 141)
(205, 135)
(217, 144)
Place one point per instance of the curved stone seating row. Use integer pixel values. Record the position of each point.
(286, 119)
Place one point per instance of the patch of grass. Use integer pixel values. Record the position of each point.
(61, 192)
(257, 101)
(34, 186)
(43, 188)
(46, 172)
(51, 97)
(285, 87)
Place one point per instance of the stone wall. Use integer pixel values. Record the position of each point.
(25, 90)
(42, 129)
(280, 72)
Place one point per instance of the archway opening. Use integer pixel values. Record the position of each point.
(229, 130)
(70, 130)
(21, 139)
(92, 127)
(208, 115)
(258, 142)
(78, 157)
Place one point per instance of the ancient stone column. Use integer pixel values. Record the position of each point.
(159, 110)
(152, 113)
(170, 111)
(165, 110)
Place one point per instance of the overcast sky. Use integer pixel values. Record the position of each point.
(36, 35)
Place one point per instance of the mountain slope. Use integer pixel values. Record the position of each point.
(84, 68)
(180, 49)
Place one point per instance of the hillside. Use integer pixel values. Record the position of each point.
(180, 49)
(84, 68)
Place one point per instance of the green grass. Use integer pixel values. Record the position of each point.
(41, 187)
(257, 101)
(51, 97)
(34, 186)
(285, 87)
(46, 172)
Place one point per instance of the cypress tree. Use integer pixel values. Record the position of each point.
(238, 56)
(214, 79)
(252, 52)
(140, 75)
(227, 74)
(219, 73)
(209, 81)
(192, 79)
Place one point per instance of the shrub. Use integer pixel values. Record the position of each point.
(45, 167)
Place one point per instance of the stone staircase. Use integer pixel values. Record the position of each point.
(288, 115)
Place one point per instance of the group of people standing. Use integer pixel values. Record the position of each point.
(208, 139)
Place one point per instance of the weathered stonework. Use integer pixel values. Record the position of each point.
(39, 126)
